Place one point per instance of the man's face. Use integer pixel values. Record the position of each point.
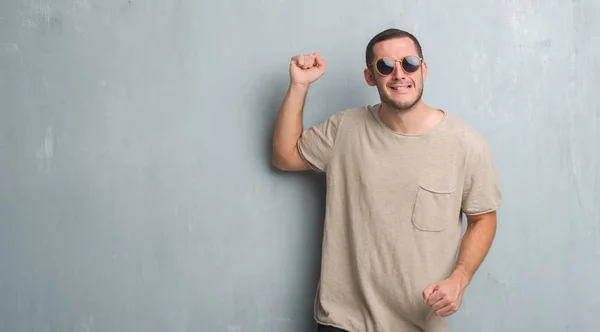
(399, 90)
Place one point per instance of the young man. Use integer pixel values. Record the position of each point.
(399, 176)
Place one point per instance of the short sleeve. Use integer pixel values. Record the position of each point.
(481, 193)
(316, 143)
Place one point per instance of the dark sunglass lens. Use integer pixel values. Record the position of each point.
(411, 64)
(385, 66)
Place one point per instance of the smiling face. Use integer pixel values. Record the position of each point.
(399, 91)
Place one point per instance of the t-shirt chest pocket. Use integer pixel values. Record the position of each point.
(434, 208)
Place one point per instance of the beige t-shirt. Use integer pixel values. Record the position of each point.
(393, 215)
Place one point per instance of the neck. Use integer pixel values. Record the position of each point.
(417, 120)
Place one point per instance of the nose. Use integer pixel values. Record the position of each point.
(398, 74)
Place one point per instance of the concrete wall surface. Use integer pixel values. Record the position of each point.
(136, 185)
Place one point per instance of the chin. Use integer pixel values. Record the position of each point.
(401, 105)
(403, 102)
(404, 98)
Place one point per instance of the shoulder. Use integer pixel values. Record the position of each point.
(465, 134)
(350, 116)
(360, 112)
(353, 116)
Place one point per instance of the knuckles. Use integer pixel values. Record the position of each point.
(304, 60)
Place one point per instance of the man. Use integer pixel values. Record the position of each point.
(399, 176)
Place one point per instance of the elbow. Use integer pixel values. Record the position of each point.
(279, 158)
(288, 160)
(284, 161)
(280, 163)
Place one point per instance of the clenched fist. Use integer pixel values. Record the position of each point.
(305, 69)
(445, 297)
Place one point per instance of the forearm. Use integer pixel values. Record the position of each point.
(288, 126)
(475, 245)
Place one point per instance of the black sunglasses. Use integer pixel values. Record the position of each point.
(386, 66)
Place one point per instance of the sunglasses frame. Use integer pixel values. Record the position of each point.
(400, 61)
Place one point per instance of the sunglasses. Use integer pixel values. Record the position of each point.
(386, 66)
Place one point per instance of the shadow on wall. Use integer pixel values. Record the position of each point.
(335, 97)
(273, 90)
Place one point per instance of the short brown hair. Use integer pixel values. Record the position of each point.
(389, 34)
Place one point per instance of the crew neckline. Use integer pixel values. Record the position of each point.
(430, 132)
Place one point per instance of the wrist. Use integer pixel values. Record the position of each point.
(299, 87)
(461, 276)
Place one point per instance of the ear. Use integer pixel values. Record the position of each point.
(424, 69)
(369, 78)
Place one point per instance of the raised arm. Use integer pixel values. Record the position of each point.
(304, 70)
